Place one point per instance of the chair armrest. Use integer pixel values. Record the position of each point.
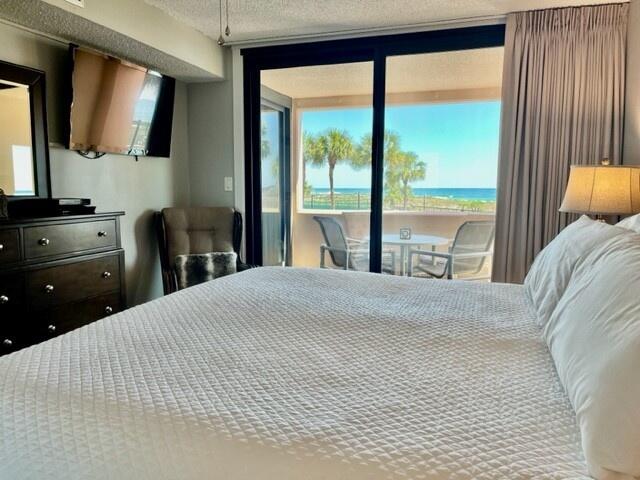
(347, 251)
(358, 251)
(241, 266)
(355, 243)
(429, 253)
(449, 257)
(237, 232)
(472, 254)
(169, 281)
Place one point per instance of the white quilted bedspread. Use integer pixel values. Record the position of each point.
(282, 374)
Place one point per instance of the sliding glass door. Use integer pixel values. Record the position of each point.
(393, 144)
(274, 161)
(331, 112)
(442, 120)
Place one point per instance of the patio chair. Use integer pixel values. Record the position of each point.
(348, 253)
(466, 258)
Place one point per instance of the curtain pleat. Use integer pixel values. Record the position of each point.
(562, 104)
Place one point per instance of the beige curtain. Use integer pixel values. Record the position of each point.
(562, 104)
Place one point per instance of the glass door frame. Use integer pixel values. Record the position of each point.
(368, 49)
(284, 125)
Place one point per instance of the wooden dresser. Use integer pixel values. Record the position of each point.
(57, 274)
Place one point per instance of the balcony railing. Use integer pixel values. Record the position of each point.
(415, 203)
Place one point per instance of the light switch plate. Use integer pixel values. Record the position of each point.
(77, 3)
(228, 184)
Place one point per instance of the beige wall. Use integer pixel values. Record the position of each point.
(211, 140)
(113, 182)
(632, 105)
(151, 26)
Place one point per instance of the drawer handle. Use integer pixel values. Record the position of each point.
(108, 310)
(4, 299)
(106, 274)
(48, 289)
(102, 233)
(51, 328)
(6, 342)
(43, 242)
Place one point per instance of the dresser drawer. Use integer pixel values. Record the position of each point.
(9, 246)
(65, 318)
(67, 283)
(11, 295)
(12, 312)
(51, 240)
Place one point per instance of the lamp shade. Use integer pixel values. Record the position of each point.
(602, 190)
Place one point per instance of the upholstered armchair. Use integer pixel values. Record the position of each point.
(195, 230)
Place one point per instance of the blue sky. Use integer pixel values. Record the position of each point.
(458, 142)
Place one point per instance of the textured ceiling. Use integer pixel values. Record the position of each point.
(269, 19)
(466, 69)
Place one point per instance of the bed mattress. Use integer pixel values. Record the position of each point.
(281, 374)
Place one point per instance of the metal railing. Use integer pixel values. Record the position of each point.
(421, 203)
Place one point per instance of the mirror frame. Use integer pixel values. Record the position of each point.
(35, 79)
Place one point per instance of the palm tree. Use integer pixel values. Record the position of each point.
(364, 150)
(331, 147)
(402, 168)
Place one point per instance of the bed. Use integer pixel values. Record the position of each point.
(281, 374)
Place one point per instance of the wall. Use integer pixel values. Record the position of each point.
(113, 182)
(632, 101)
(153, 27)
(211, 140)
(130, 29)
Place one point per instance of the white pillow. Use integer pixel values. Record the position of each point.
(594, 339)
(550, 273)
(630, 223)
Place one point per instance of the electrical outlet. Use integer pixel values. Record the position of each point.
(77, 3)
(228, 184)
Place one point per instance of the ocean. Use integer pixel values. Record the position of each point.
(484, 194)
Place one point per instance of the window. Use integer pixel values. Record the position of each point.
(442, 130)
(394, 144)
(325, 159)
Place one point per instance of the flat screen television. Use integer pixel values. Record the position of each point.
(119, 107)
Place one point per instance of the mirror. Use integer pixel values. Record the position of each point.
(24, 152)
(16, 153)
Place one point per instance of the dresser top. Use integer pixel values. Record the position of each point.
(59, 218)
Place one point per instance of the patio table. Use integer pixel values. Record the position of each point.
(416, 240)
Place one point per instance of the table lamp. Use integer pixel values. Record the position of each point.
(599, 190)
